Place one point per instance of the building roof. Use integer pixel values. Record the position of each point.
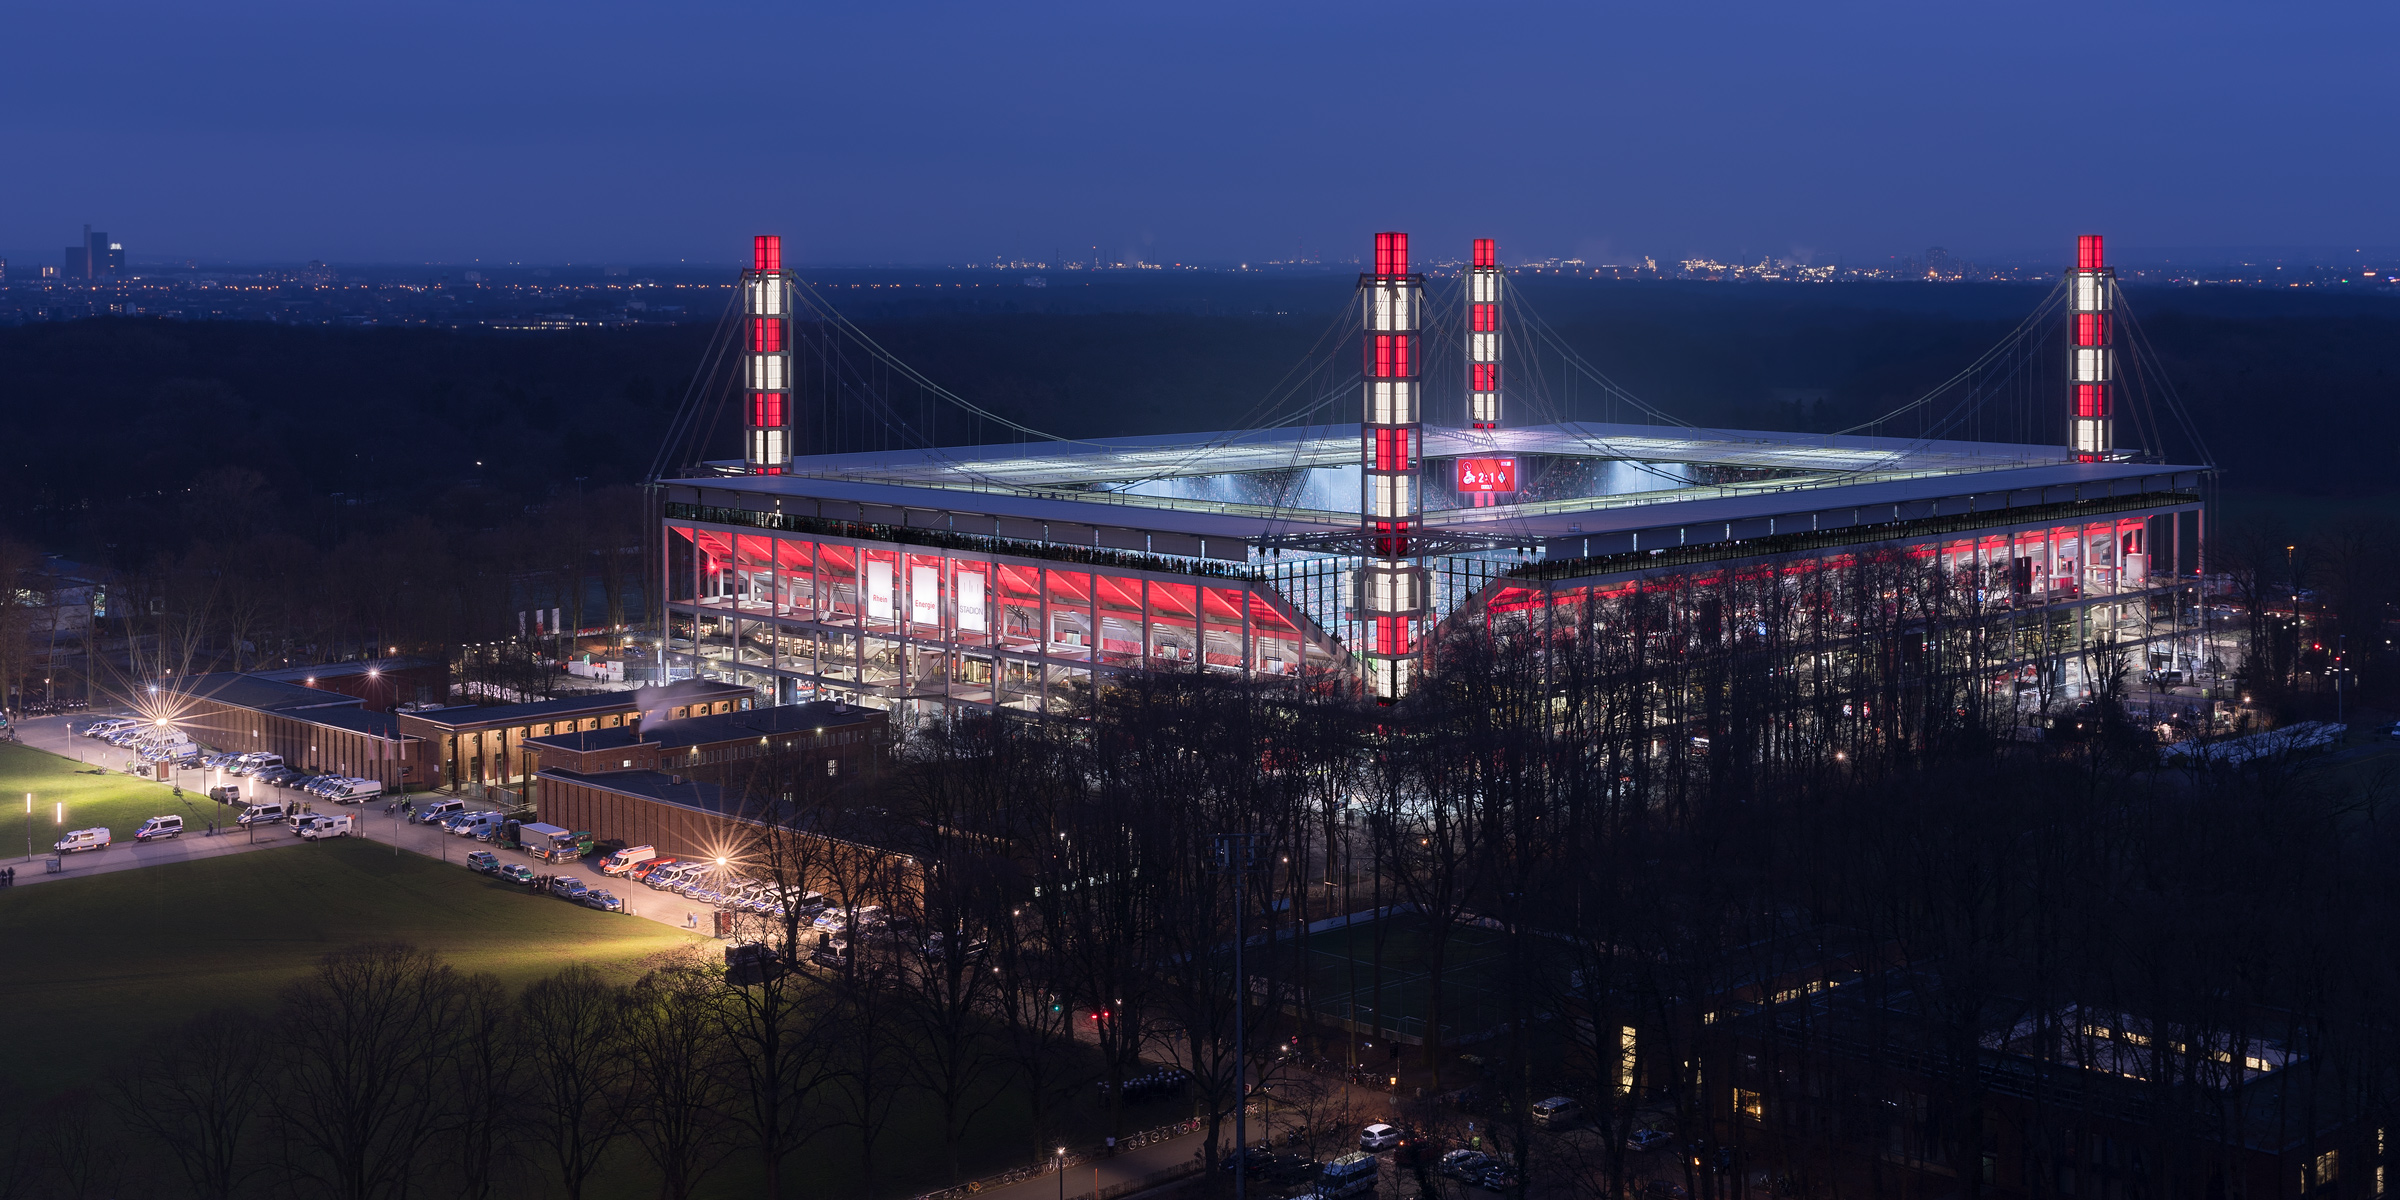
(357, 720)
(246, 690)
(644, 699)
(815, 715)
(1072, 493)
(650, 785)
(340, 670)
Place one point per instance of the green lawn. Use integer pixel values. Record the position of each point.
(97, 962)
(93, 796)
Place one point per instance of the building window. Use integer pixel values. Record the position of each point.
(2323, 1172)
(1749, 1104)
(833, 766)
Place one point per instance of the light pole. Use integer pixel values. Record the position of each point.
(1062, 1173)
(29, 827)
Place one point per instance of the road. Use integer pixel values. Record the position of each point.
(375, 824)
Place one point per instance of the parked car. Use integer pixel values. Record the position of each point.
(642, 871)
(1645, 1139)
(484, 861)
(82, 839)
(516, 873)
(1464, 1164)
(1557, 1112)
(265, 813)
(159, 829)
(436, 810)
(1378, 1137)
(1498, 1177)
(226, 793)
(567, 887)
(603, 900)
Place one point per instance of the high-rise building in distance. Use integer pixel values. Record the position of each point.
(96, 258)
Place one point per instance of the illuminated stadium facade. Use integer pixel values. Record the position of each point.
(1020, 577)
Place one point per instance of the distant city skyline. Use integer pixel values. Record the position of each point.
(869, 135)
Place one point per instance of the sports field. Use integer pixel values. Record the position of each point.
(93, 964)
(91, 796)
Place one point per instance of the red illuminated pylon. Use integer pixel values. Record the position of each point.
(2091, 424)
(1391, 586)
(767, 360)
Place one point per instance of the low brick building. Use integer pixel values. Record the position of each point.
(687, 818)
(485, 745)
(314, 729)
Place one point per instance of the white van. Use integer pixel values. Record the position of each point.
(626, 859)
(433, 813)
(159, 828)
(318, 826)
(357, 790)
(478, 824)
(82, 839)
(1352, 1174)
(1557, 1112)
(264, 813)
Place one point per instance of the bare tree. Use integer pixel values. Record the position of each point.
(198, 1092)
(577, 1070)
(357, 1089)
(675, 1042)
(484, 1076)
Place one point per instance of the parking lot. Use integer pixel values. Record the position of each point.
(377, 821)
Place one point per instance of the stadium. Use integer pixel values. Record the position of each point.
(1021, 577)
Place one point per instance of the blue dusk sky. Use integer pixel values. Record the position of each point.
(929, 132)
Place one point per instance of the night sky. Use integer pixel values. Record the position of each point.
(899, 132)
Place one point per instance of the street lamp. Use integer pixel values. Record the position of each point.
(1062, 1173)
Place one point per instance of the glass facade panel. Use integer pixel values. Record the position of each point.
(796, 573)
(1020, 604)
(838, 658)
(971, 592)
(1118, 605)
(1221, 640)
(1070, 597)
(754, 573)
(973, 678)
(796, 650)
(716, 638)
(715, 567)
(756, 643)
(682, 558)
(837, 577)
(880, 665)
(1021, 684)
(1174, 623)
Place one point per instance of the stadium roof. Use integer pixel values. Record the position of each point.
(1059, 491)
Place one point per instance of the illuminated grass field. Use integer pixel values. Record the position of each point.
(97, 962)
(92, 797)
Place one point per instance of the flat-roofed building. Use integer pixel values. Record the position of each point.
(484, 746)
(849, 738)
